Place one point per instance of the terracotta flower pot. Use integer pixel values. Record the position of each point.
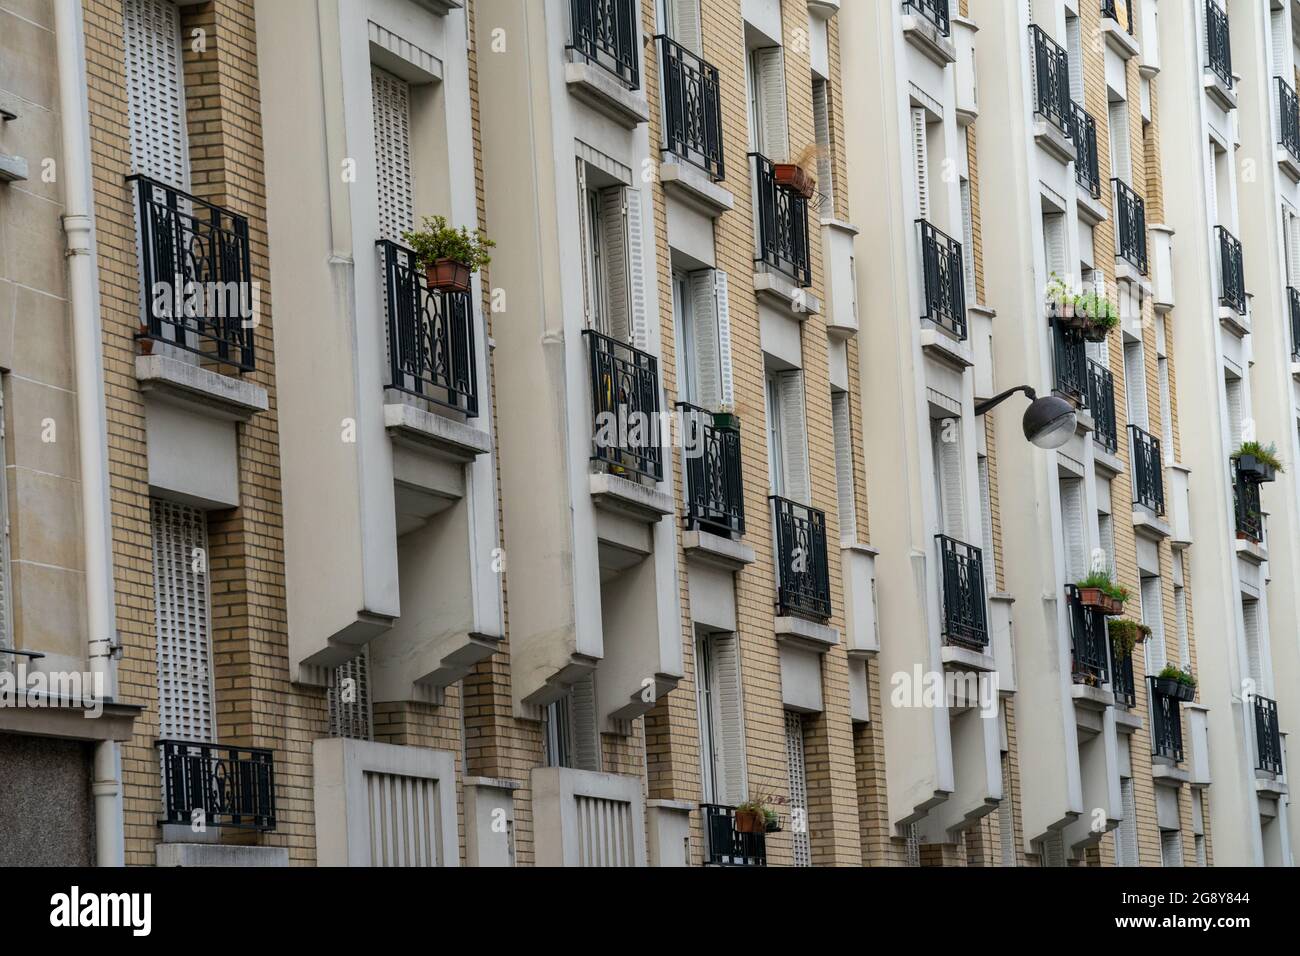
(750, 821)
(1099, 600)
(795, 178)
(447, 275)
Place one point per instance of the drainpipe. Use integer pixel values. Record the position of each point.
(83, 297)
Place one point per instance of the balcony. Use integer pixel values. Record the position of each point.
(803, 574)
(1101, 403)
(1070, 362)
(1217, 43)
(782, 225)
(1122, 685)
(1268, 740)
(196, 281)
(1148, 477)
(1111, 9)
(692, 107)
(232, 786)
(1247, 508)
(431, 352)
(724, 845)
(1083, 130)
(927, 25)
(603, 33)
(1052, 95)
(935, 11)
(965, 614)
(624, 408)
(1089, 639)
(945, 280)
(1288, 128)
(1293, 307)
(715, 497)
(1166, 724)
(1130, 227)
(1232, 276)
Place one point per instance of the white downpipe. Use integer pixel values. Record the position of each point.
(92, 433)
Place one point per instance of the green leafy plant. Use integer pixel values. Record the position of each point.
(1057, 291)
(1125, 635)
(1265, 453)
(1102, 582)
(437, 240)
(1098, 310)
(1172, 672)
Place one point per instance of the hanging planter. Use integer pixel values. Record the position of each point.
(1102, 595)
(750, 820)
(726, 421)
(1176, 683)
(448, 256)
(794, 178)
(1256, 462)
(447, 275)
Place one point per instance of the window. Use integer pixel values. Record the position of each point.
(787, 445)
(391, 102)
(349, 699)
(569, 732)
(1072, 527)
(1180, 613)
(1166, 411)
(1006, 816)
(681, 21)
(688, 389)
(768, 129)
(1074, 50)
(921, 161)
(967, 235)
(1153, 616)
(945, 437)
(1236, 400)
(718, 708)
(151, 32)
(6, 578)
(1135, 384)
(1121, 162)
(1053, 849)
(1171, 848)
(1254, 652)
(822, 128)
(704, 708)
(1126, 837)
(1054, 244)
(798, 770)
(986, 524)
(610, 229)
(703, 327)
(841, 421)
(1106, 534)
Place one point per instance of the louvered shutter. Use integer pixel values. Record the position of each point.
(6, 585)
(800, 844)
(349, 698)
(1126, 838)
(1076, 559)
(772, 122)
(1171, 847)
(1074, 50)
(1153, 616)
(730, 735)
(585, 238)
(1281, 37)
(639, 317)
(968, 236)
(156, 90)
(182, 622)
(704, 324)
(920, 163)
(1054, 849)
(1254, 657)
(1236, 412)
(948, 462)
(822, 129)
(1293, 255)
(1166, 410)
(794, 440)
(1212, 179)
(1180, 621)
(1006, 817)
(614, 255)
(841, 424)
(722, 313)
(391, 98)
(684, 17)
(1121, 162)
(585, 732)
(704, 711)
(1135, 384)
(986, 524)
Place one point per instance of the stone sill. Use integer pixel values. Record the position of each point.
(13, 169)
(1107, 460)
(603, 92)
(211, 393)
(716, 550)
(945, 347)
(780, 290)
(418, 427)
(694, 187)
(1234, 321)
(1290, 164)
(1054, 141)
(1219, 91)
(808, 635)
(925, 36)
(1092, 698)
(1091, 210)
(626, 497)
(1144, 521)
(1251, 551)
(1126, 721)
(963, 658)
(1120, 40)
(1168, 772)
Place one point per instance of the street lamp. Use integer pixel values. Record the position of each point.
(1049, 421)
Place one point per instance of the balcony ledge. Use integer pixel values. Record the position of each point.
(1220, 92)
(220, 854)
(925, 36)
(806, 635)
(940, 343)
(713, 549)
(1107, 460)
(693, 186)
(1091, 211)
(1120, 40)
(440, 7)
(1049, 136)
(1289, 163)
(965, 659)
(604, 93)
(1234, 321)
(1084, 423)
(1125, 271)
(1164, 770)
(1252, 551)
(412, 425)
(1295, 370)
(823, 9)
(629, 498)
(1269, 785)
(211, 393)
(1152, 525)
(1091, 698)
(1127, 721)
(781, 291)
(13, 169)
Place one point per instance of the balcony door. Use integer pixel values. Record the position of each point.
(703, 332)
(787, 443)
(945, 436)
(718, 710)
(155, 86)
(769, 131)
(395, 195)
(681, 21)
(612, 260)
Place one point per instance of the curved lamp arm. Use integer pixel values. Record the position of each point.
(991, 403)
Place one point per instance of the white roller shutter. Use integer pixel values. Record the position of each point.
(948, 480)
(182, 622)
(1254, 655)
(1166, 410)
(772, 123)
(1135, 384)
(1054, 243)
(391, 98)
(614, 256)
(1281, 38)
(155, 89)
(1121, 162)
(1076, 557)
(842, 426)
(822, 129)
(986, 526)
(798, 771)
(723, 314)
(920, 163)
(704, 325)
(1006, 817)
(638, 316)
(1212, 181)
(1074, 50)
(794, 438)
(730, 733)
(967, 236)
(1126, 837)
(684, 24)
(1153, 616)
(1236, 409)
(586, 734)
(1180, 621)
(1293, 250)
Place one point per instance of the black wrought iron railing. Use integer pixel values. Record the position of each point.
(1101, 403)
(1166, 724)
(715, 494)
(782, 224)
(1113, 8)
(1247, 507)
(217, 785)
(1051, 80)
(431, 350)
(1217, 43)
(945, 279)
(724, 845)
(1232, 274)
(1268, 739)
(624, 407)
(1130, 226)
(1288, 118)
(196, 284)
(1293, 307)
(1122, 685)
(803, 574)
(1089, 641)
(1070, 361)
(1148, 476)
(604, 32)
(961, 575)
(936, 11)
(692, 107)
(1083, 130)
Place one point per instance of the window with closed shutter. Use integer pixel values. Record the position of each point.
(1153, 616)
(683, 22)
(1171, 848)
(1074, 50)
(841, 421)
(1120, 159)
(182, 622)
(1236, 409)
(822, 129)
(1006, 817)
(155, 88)
(770, 132)
(1126, 837)
(391, 100)
(1106, 534)
(921, 162)
(349, 698)
(613, 263)
(794, 436)
(967, 235)
(798, 771)
(705, 707)
(729, 730)
(1254, 652)
(1053, 849)
(1072, 528)
(1054, 244)
(1135, 384)
(945, 434)
(986, 524)
(1166, 412)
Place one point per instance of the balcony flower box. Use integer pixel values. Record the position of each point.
(448, 255)
(795, 179)
(1176, 684)
(447, 275)
(1256, 462)
(728, 420)
(1099, 600)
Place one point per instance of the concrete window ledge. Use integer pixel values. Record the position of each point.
(1125, 271)
(1127, 721)
(1145, 521)
(13, 169)
(220, 854)
(418, 427)
(808, 635)
(1107, 460)
(206, 391)
(440, 7)
(37, 714)
(1091, 210)
(633, 499)
(925, 36)
(694, 187)
(966, 659)
(939, 343)
(1290, 165)
(1164, 771)
(603, 92)
(780, 290)
(1083, 422)
(1269, 785)
(1234, 321)
(1093, 698)
(1120, 40)
(1220, 92)
(1252, 551)
(726, 553)
(1054, 140)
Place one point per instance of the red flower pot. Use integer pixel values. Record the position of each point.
(750, 821)
(447, 275)
(795, 178)
(1099, 600)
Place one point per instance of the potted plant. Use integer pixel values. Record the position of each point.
(725, 418)
(1125, 634)
(797, 176)
(1061, 304)
(771, 822)
(448, 255)
(752, 815)
(1257, 462)
(1099, 316)
(1099, 592)
(1176, 683)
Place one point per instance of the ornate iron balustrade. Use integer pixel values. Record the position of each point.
(1083, 130)
(1217, 44)
(431, 351)
(782, 224)
(715, 495)
(1111, 8)
(965, 614)
(1089, 638)
(624, 407)
(196, 281)
(1101, 403)
(1268, 739)
(1246, 506)
(1166, 724)
(1130, 226)
(1148, 476)
(1122, 685)
(724, 845)
(604, 32)
(936, 11)
(1232, 274)
(1293, 307)
(1288, 119)
(692, 107)
(1070, 361)
(803, 575)
(945, 279)
(232, 786)
(1051, 80)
